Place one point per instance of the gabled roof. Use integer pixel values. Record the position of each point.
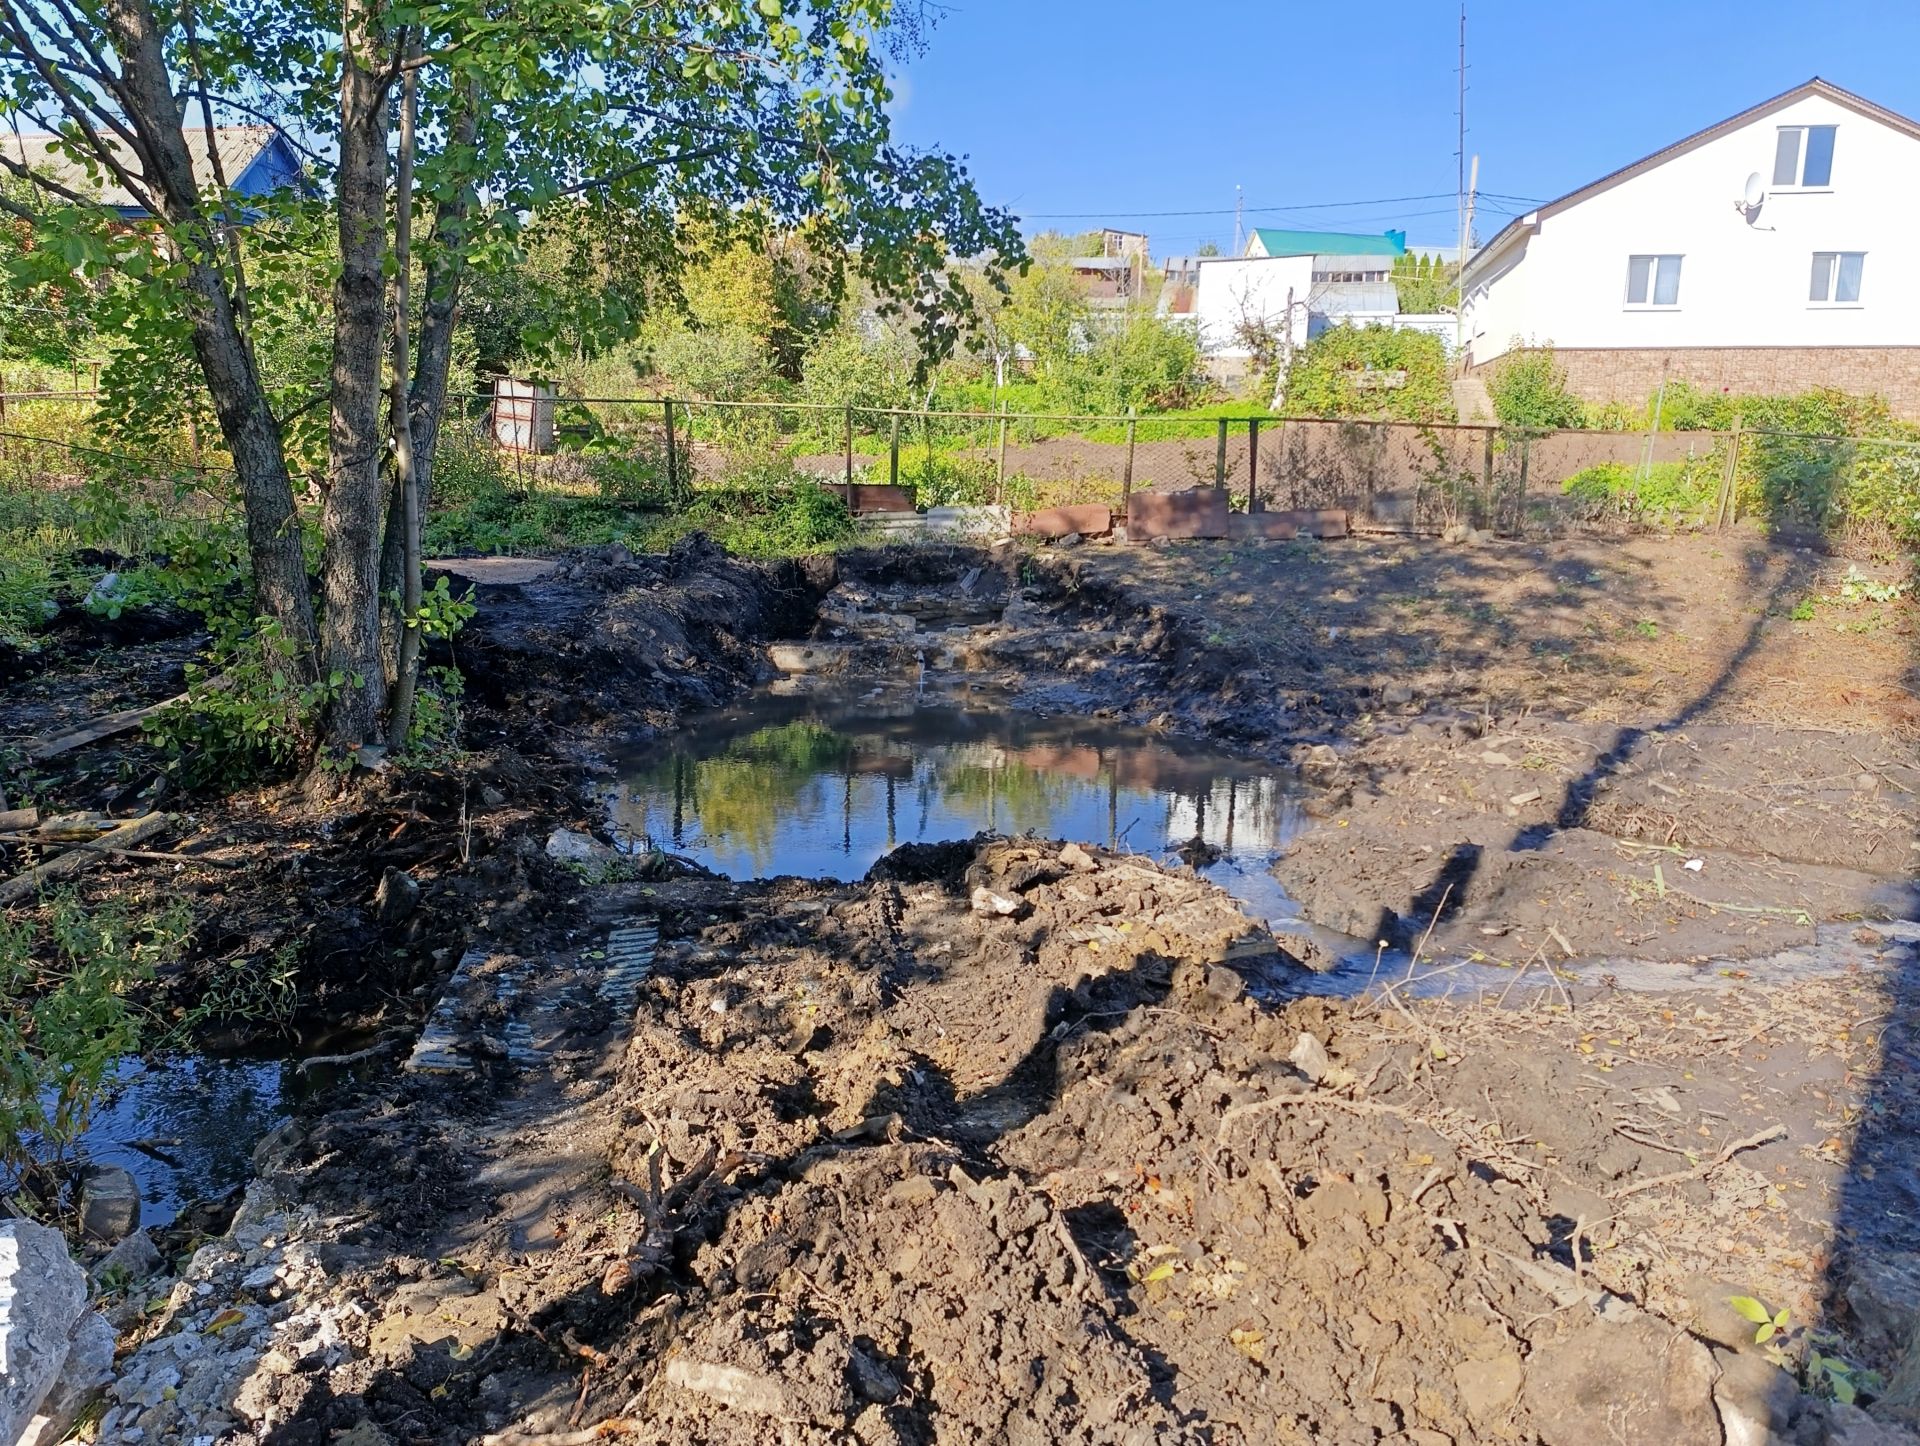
(1278, 242)
(240, 149)
(1815, 86)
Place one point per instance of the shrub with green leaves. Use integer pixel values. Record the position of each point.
(67, 1016)
(27, 602)
(1666, 493)
(1529, 389)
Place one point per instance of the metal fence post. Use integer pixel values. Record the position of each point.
(1526, 462)
(1726, 507)
(1486, 477)
(1126, 477)
(1000, 465)
(1220, 457)
(893, 452)
(673, 479)
(1253, 465)
(849, 435)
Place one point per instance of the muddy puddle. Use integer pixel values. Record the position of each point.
(184, 1125)
(822, 784)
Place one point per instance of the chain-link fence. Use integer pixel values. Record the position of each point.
(1389, 476)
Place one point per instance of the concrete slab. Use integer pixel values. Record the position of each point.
(1198, 512)
(1318, 522)
(1092, 519)
(976, 521)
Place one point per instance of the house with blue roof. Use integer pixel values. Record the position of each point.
(256, 161)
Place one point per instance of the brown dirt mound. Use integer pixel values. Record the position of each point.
(615, 639)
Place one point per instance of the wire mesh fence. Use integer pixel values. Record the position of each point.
(1388, 476)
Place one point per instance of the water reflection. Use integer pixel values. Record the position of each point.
(822, 787)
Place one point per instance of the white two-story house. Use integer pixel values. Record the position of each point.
(1772, 252)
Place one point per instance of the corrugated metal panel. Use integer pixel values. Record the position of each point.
(1345, 298)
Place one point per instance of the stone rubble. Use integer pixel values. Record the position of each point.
(250, 1309)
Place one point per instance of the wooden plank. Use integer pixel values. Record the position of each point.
(132, 832)
(52, 745)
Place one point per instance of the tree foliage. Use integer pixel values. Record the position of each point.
(623, 124)
(1425, 284)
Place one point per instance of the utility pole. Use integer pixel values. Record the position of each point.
(1239, 233)
(1461, 204)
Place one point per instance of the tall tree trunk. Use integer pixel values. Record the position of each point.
(433, 363)
(226, 361)
(357, 495)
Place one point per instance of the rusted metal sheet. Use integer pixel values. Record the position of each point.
(1088, 519)
(1199, 512)
(871, 497)
(1274, 526)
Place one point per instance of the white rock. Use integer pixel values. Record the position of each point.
(88, 1367)
(43, 1295)
(569, 846)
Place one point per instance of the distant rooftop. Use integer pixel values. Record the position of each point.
(1274, 242)
(239, 148)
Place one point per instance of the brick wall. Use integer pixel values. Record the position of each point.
(1605, 374)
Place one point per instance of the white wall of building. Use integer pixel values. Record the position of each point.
(1741, 283)
(1233, 287)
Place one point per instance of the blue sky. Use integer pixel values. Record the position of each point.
(1111, 107)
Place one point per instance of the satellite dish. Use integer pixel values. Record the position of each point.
(1755, 193)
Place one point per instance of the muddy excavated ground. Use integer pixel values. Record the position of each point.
(1010, 1140)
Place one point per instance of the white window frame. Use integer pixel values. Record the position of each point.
(1653, 260)
(1836, 259)
(1800, 133)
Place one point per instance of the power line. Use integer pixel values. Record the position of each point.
(1227, 211)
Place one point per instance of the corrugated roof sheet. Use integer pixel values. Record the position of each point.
(1329, 243)
(238, 146)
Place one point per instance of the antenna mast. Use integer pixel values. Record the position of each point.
(1239, 234)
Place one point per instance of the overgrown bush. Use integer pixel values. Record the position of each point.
(1342, 373)
(1141, 362)
(951, 480)
(1666, 493)
(1528, 387)
(466, 467)
(1684, 407)
(26, 599)
(1885, 493)
(771, 511)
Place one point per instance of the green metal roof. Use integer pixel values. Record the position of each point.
(1330, 243)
